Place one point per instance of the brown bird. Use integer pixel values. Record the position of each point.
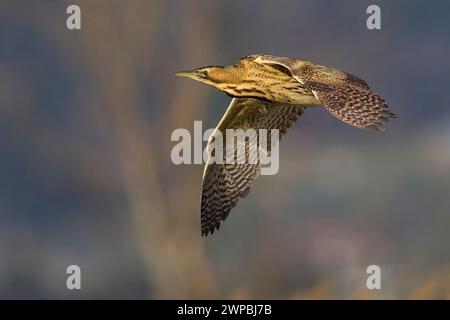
(272, 92)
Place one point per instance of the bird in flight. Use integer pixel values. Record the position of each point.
(272, 92)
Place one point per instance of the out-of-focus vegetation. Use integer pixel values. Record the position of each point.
(86, 176)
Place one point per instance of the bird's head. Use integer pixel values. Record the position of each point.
(222, 78)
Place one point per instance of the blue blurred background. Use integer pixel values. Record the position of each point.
(86, 176)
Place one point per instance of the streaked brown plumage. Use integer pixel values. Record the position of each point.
(271, 93)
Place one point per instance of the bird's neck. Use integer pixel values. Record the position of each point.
(226, 75)
(247, 81)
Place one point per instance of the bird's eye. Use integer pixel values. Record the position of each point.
(205, 73)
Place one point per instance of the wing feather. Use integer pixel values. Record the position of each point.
(344, 95)
(224, 184)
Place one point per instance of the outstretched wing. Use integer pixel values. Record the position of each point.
(224, 184)
(345, 96)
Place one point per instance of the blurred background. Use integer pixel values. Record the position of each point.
(86, 176)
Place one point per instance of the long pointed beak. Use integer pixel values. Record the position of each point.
(189, 74)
